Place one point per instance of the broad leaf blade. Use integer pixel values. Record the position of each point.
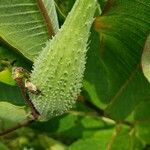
(3, 147)
(98, 141)
(124, 138)
(142, 119)
(122, 27)
(23, 27)
(11, 114)
(6, 77)
(11, 94)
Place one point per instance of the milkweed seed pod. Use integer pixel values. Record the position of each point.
(58, 70)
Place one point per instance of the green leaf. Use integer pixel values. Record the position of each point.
(88, 144)
(142, 119)
(11, 114)
(49, 143)
(66, 126)
(129, 97)
(102, 3)
(3, 147)
(95, 77)
(142, 112)
(11, 94)
(124, 139)
(143, 132)
(64, 6)
(9, 56)
(8, 59)
(98, 141)
(6, 77)
(23, 27)
(146, 59)
(113, 64)
(120, 140)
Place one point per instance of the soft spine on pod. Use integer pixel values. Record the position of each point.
(58, 70)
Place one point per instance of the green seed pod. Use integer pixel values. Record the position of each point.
(58, 70)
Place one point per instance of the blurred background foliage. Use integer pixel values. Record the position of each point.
(112, 112)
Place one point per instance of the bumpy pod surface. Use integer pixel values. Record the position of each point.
(58, 70)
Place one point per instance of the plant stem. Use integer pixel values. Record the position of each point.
(19, 125)
(46, 18)
(95, 108)
(34, 112)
